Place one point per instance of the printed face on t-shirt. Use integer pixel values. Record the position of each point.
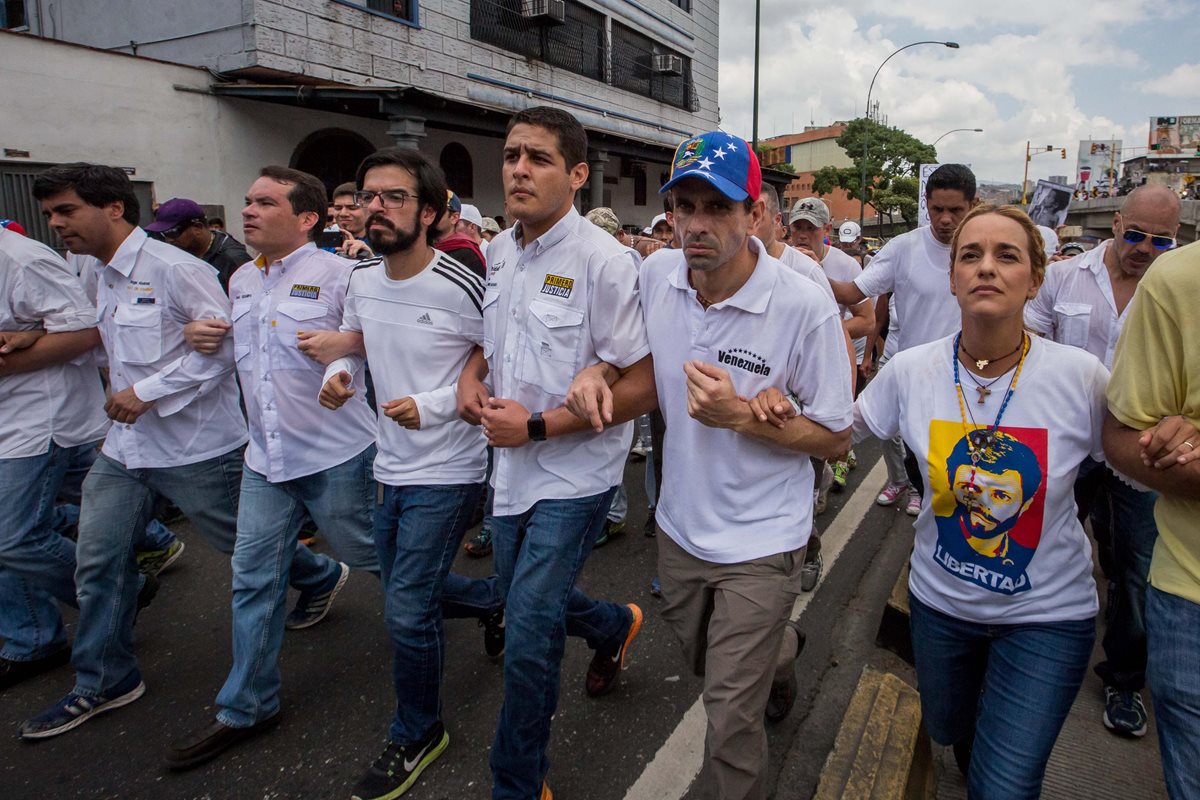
(988, 505)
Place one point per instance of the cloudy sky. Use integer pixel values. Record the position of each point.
(1050, 71)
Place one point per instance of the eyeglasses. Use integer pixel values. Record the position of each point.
(389, 198)
(1133, 236)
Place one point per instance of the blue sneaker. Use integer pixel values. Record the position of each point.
(75, 709)
(311, 607)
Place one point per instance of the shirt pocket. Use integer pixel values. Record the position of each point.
(139, 333)
(290, 319)
(243, 329)
(1072, 321)
(552, 346)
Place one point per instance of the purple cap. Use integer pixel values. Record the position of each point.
(174, 212)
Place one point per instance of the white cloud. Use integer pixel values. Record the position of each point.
(1183, 81)
(1015, 75)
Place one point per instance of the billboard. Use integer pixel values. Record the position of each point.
(1173, 136)
(1097, 166)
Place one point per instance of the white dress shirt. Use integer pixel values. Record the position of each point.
(726, 497)
(553, 306)
(418, 334)
(291, 433)
(144, 298)
(63, 403)
(1075, 305)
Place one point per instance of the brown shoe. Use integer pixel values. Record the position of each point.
(209, 742)
(605, 669)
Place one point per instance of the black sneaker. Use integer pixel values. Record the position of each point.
(609, 530)
(493, 634)
(650, 528)
(311, 607)
(1124, 712)
(398, 767)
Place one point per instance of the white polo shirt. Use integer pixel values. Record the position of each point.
(64, 403)
(1075, 305)
(144, 298)
(418, 334)
(915, 267)
(565, 301)
(291, 433)
(728, 498)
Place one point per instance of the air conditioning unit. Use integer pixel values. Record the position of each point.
(668, 64)
(544, 12)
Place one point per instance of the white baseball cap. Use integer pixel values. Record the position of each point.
(1049, 239)
(471, 214)
(848, 231)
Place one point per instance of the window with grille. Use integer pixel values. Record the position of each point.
(633, 68)
(576, 45)
(401, 9)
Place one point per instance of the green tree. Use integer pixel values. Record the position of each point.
(893, 158)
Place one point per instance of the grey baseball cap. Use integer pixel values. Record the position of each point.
(812, 209)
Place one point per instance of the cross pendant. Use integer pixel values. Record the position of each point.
(983, 393)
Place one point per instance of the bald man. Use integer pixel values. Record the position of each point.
(1084, 302)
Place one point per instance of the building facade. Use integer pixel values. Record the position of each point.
(318, 84)
(807, 152)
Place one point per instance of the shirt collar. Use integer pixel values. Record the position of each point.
(291, 259)
(126, 255)
(551, 237)
(1094, 259)
(754, 294)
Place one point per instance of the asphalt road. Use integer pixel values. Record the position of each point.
(337, 698)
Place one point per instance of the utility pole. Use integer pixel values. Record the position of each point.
(757, 30)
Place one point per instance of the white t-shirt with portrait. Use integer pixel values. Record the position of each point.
(1017, 554)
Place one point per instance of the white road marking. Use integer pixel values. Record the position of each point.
(675, 766)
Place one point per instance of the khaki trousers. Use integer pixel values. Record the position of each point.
(730, 618)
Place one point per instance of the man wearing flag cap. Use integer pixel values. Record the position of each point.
(725, 320)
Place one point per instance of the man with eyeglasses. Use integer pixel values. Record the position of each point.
(1084, 302)
(182, 222)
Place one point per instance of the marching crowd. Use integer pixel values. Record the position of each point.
(397, 375)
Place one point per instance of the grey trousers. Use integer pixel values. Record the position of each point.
(730, 618)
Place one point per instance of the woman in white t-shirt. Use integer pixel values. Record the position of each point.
(1001, 593)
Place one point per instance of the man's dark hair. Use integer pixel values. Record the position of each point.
(952, 176)
(96, 184)
(307, 194)
(348, 187)
(572, 139)
(431, 181)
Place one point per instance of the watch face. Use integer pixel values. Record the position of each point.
(537, 428)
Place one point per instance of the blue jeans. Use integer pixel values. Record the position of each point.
(1123, 523)
(1009, 687)
(339, 500)
(37, 563)
(1173, 628)
(417, 532)
(538, 557)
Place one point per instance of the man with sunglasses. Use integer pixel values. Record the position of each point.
(1084, 302)
(182, 222)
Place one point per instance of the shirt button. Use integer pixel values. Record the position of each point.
(110, 286)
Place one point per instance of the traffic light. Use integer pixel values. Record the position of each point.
(1064, 152)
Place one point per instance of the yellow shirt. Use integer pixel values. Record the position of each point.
(1156, 374)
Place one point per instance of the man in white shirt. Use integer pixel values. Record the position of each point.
(470, 224)
(915, 268)
(302, 458)
(419, 315)
(179, 431)
(1084, 302)
(726, 321)
(561, 295)
(50, 422)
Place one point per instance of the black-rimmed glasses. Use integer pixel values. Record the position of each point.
(389, 198)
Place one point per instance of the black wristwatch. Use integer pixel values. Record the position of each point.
(536, 427)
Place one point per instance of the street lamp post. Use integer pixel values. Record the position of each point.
(862, 188)
(956, 130)
(757, 29)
